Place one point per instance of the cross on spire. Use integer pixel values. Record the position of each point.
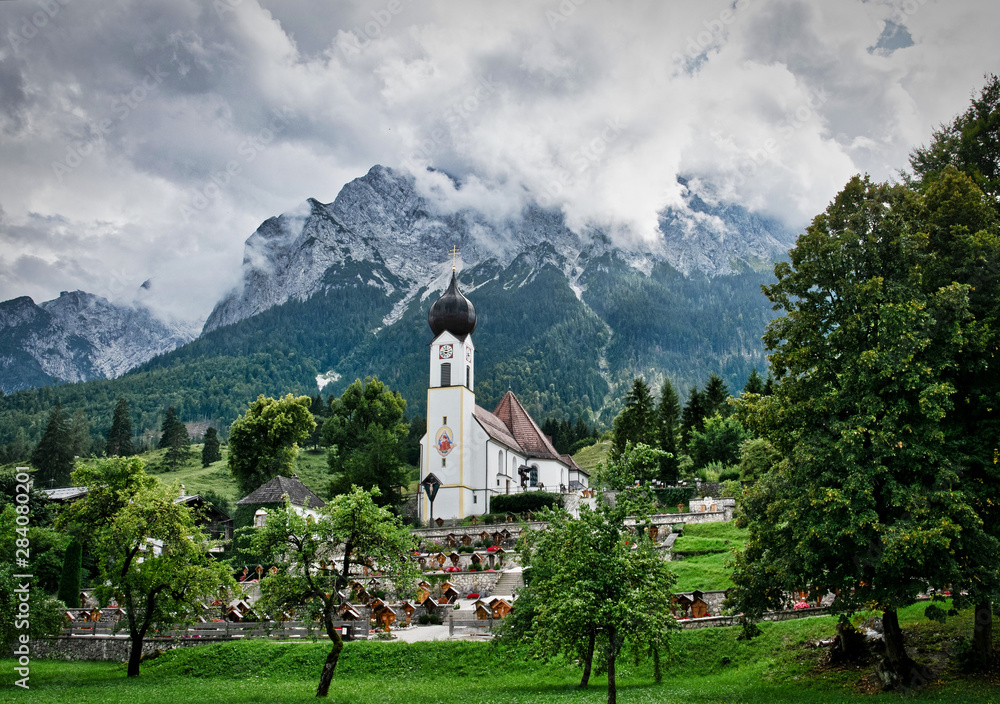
(454, 254)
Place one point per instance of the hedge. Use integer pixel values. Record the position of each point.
(527, 501)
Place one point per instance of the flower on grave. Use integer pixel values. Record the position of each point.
(492, 548)
(473, 595)
(801, 605)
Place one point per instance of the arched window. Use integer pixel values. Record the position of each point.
(533, 476)
(259, 518)
(499, 465)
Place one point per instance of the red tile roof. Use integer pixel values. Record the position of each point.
(524, 430)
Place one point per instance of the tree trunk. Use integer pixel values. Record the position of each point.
(331, 660)
(896, 670)
(134, 656)
(589, 660)
(612, 653)
(982, 634)
(657, 671)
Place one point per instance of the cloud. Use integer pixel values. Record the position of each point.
(151, 139)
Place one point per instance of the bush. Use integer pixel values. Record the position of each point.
(731, 488)
(528, 501)
(729, 475)
(423, 619)
(435, 619)
(671, 496)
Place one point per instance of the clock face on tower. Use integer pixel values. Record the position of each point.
(468, 354)
(446, 352)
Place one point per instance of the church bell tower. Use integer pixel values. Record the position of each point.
(451, 402)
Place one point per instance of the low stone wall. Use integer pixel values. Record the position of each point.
(110, 648)
(482, 583)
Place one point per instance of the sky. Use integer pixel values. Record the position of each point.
(142, 142)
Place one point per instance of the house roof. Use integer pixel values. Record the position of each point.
(573, 466)
(65, 494)
(523, 429)
(273, 491)
(495, 428)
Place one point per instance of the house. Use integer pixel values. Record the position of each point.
(251, 509)
(216, 523)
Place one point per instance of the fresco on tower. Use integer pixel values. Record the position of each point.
(445, 441)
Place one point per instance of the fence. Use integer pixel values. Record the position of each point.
(221, 630)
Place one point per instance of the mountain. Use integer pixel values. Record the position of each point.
(77, 337)
(403, 237)
(338, 291)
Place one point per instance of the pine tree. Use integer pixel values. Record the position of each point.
(175, 439)
(120, 436)
(211, 452)
(754, 385)
(693, 415)
(69, 582)
(715, 397)
(668, 416)
(636, 422)
(79, 434)
(53, 457)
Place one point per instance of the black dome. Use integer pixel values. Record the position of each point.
(452, 312)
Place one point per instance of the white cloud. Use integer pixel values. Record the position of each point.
(188, 125)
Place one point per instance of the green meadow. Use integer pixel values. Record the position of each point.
(707, 666)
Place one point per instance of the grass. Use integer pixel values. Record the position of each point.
(590, 456)
(708, 666)
(711, 544)
(310, 466)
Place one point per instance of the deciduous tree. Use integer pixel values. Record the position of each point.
(263, 442)
(864, 504)
(365, 431)
(154, 560)
(316, 558)
(591, 583)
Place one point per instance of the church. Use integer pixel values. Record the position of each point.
(469, 454)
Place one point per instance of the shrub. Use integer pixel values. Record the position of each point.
(434, 619)
(527, 501)
(671, 496)
(729, 475)
(423, 619)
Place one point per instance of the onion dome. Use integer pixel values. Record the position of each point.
(452, 312)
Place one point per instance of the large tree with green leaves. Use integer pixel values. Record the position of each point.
(864, 504)
(154, 560)
(263, 442)
(959, 175)
(970, 143)
(53, 456)
(589, 584)
(365, 432)
(120, 436)
(317, 557)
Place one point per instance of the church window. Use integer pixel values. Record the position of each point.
(468, 376)
(446, 374)
(444, 461)
(533, 476)
(474, 497)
